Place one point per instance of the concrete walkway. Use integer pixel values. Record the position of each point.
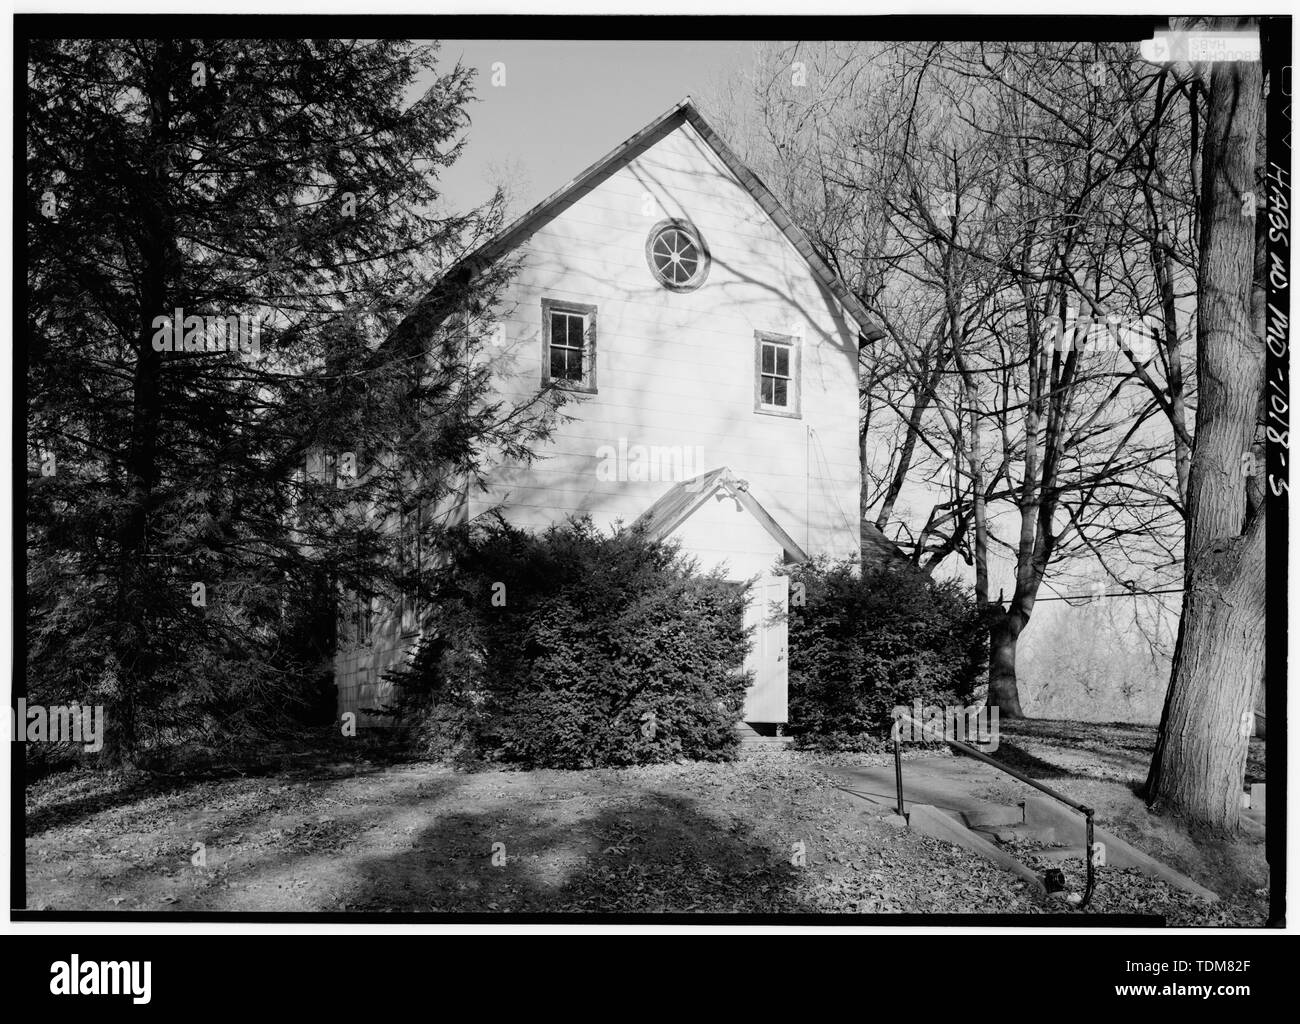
(952, 784)
(943, 797)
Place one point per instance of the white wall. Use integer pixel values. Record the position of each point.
(677, 369)
(674, 369)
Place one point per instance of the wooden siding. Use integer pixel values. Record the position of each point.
(676, 369)
(675, 372)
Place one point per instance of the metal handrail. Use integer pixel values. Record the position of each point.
(966, 748)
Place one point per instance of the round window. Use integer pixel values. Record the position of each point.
(677, 255)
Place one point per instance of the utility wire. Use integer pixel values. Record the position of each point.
(1086, 598)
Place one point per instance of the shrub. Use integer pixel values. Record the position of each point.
(570, 649)
(861, 645)
(223, 685)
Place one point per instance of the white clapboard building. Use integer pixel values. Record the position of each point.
(716, 359)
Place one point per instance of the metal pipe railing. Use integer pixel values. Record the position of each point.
(898, 773)
(966, 748)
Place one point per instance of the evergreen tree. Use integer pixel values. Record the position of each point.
(198, 497)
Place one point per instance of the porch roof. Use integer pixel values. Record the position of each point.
(682, 499)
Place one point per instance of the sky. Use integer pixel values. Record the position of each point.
(565, 104)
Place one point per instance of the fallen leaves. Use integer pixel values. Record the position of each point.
(700, 838)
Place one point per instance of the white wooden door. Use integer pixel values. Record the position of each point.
(767, 698)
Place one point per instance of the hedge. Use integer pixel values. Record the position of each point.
(573, 649)
(862, 643)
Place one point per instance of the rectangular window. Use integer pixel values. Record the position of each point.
(410, 556)
(360, 618)
(776, 377)
(322, 467)
(569, 345)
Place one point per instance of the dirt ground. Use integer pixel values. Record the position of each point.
(722, 838)
(769, 833)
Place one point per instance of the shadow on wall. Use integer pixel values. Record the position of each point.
(816, 500)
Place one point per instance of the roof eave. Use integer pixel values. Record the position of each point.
(683, 111)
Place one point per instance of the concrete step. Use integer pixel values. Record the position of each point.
(1005, 831)
(992, 817)
(751, 738)
(954, 788)
(1058, 853)
(946, 826)
(1253, 816)
(1069, 825)
(1043, 832)
(767, 743)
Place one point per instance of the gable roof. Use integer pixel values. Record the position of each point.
(683, 112)
(681, 501)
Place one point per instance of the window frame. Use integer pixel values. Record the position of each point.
(793, 410)
(410, 554)
(687, 228)
(588, 383)
(360, 619)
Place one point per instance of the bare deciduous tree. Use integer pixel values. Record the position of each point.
(978, 196)
(1206, 724)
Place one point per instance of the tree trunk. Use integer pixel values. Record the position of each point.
(141, 460)
(1004, 632)
(1200, 755)
(1200, 758)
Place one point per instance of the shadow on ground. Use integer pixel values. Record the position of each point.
(654, 854)
(1027, 764)
(67, 797)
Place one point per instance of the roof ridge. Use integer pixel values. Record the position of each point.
(687, 110)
